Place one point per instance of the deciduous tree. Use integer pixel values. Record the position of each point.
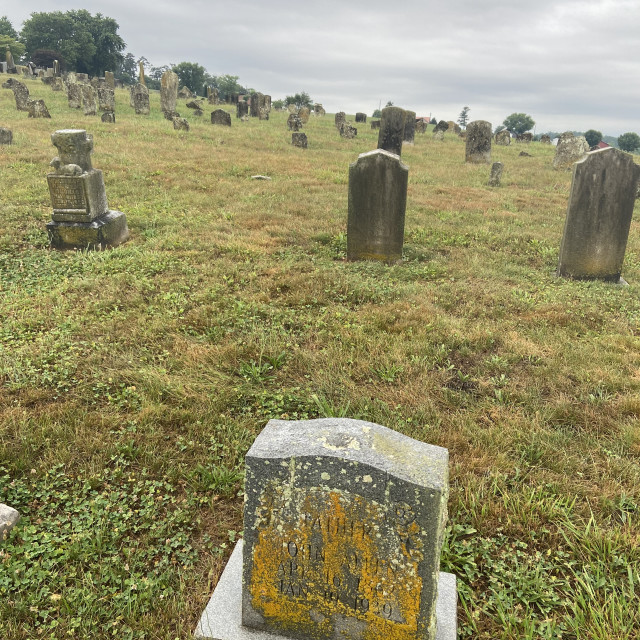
(518, 123)
(629, 141)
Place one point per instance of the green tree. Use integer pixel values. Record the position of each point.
(593, 137)
(192, 75)
(463, 118)
(389, 104)
(89, 44)
(518, 123)
(6, 29)
(17, 48)
(629, 141)
(127, 70)
(377, 113)
(226, 85)
(300, 100)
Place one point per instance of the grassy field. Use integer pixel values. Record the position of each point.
(133, 381)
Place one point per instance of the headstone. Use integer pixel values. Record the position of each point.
(545, 139)
(304, 113)
(340, 117)
(254, 105)
(570, 149)
(110, 79)
(213, 95)
(391, 132)
(299, 139)
(343, 529)
(38, 109)
(348, 131)
(478, 142)
(20, 93)
(57, 84)
(56, 68)
(181, 124)
(503, 138)
(196, 107)
(220, 116)
(106, 98)
(3, 66)
(409, 127)
(141, 74)
(49, 72)
(74, 95)
(377, 203)
(439, 130)
(496, 174)
(361, 117)
(82, 77)
(108, 116)
(525, 138)
(291, 108)
(89, 100)
(11, 66)
(140, 99)
(242, 109)
(98, 82)
(9, 518)
(6, 135)
(81, 217)
(454, 127)
(318, 109)
(72, 76)
(293, 122)
(264, 106)
(421, 125)
(169, 91)
(375, 124)
(596, 230)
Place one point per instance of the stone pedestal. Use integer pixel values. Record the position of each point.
(377, 204)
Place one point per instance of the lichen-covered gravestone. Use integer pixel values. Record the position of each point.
(503, 138)
(242, 109)
(343, 529)
(140, 99)
(377, 204)
(74, 95)
(81, 217)
(169, 91)
(361, 117)
(603, 191)
(299, 139)
(391, 132)
(89, 100)
(220, 116)
(478, 142)
(570, 149)
(496, 174)
(409, 127)
(20, 93)
(339, 119)
(8, 519)
(38, 109)
(348, 131)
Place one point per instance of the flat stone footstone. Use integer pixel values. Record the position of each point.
(343, 529)
(8, 519)
(222, 618)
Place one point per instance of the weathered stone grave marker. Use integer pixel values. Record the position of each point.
(343, 529)
(304, 114)
(391, 132)
(377, 204)
(596, 230)
(168, 92)
(74, 95)
(293, 122)
(9, 518)
(299, 139)
(220, 116)
(140, 99)
(339, 118)
(496, 174)
(440, 129)
(478, 142)
(38, 109)
(361, 117)
(503, 138)
(89, 100)
(6, 135)
(409, 127)
(347, 130)
(20, 93)
(81, 217)
(242, 109)
(570, 149)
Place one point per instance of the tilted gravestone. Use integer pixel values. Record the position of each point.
(20, 93)
(596, 230)
(409, 127)
(348, 131)
(293, 122)
(6, 135)
(89, 100)
(74, 95)
(391, 132)
(140, 99)
(503, 138)
(242, 109)
(570, 149)
(9, 518)
(299, 139)
(478, 142)
(81, 217)
(439, 130)
(343, 529)
(421, 126)
(496, 174)
(377, 205)
(180, 124)
(38, 109)
(304, 113)
(108, 116)
(220, 116)
(361, 117)
(168, 91)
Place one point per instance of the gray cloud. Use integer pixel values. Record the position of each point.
(571, 65)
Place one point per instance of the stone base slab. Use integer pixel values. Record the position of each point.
(221, 620)
(108, 230)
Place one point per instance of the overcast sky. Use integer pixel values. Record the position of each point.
(568, 64)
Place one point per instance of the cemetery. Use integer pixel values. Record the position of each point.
(273, 374)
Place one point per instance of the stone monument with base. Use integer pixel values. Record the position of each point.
(81, 217)
(343, 529)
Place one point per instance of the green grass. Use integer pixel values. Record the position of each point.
(133, 381)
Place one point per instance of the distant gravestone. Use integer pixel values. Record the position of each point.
(348, 131)
(304, 113)
(110, 79)
(57, 84)
(56, 68)
(525, 138)
(421, 126)
(242, 109)
(318, 109)
(478, 142)
(454, 127)
(545, 139)
(361, 117)
(409, 127)
(196, 107)
(74, 95)
(299, 139)
(11, 66)
(89, 100)
(264, 106)
(185, 93)
(375, 124)
(439, 130)
(340, 117)
(6, 135)
(293, 122)
(377, 204)
(181, 124)
(20, 93)
(503, 138)
(254, 105)
(496, 174)
(141, 74)
(9, 518)
(213, 95)
(168, 91)
(391, 132)
(108, 116)
(38, 109)
(81, 217)
(570, 149)
(140, 99)
(220, 116)
(106, 98)
(596, 230)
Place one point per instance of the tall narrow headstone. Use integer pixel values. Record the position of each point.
(478, 142)
(141, 74)
(596, 230)
(339, 118)
(343, 529)
(391, 132)
(213, 95)
(254, 105)
(106, 98)
(264, 106)
(110, 79)
(169, 91)
(409, 127)
(242, 109)
(88, 100)
(377, 204)
(11, 65)
(74, 95)
(496, 174)
(140, 99)
(81, 217)
(304, 113)
(56, 68)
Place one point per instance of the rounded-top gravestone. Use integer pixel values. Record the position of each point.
(478, 142)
